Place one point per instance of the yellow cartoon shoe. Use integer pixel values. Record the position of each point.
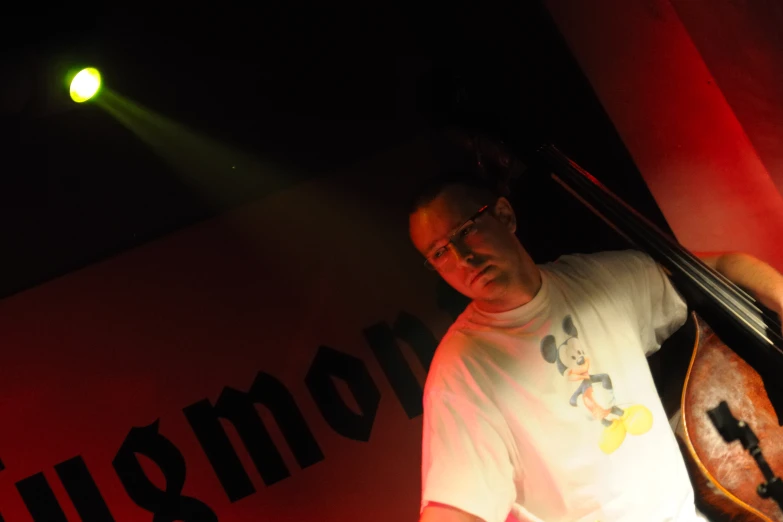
(637, 419)
(612, 437)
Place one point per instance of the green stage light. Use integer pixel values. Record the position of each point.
(85, 84)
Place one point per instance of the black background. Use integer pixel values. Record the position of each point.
(315, 87)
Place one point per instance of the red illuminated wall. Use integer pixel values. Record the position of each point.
(674, 118)
(742, 45)
(306, 319)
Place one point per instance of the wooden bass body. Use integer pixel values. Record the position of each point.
(725, 476)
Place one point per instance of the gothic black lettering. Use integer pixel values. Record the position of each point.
(413, 331)
(81, 488)
(168, 505)
(329, 363)
(383, 343)
(40, 500)
(239, 408)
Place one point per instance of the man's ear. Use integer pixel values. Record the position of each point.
(504, 213)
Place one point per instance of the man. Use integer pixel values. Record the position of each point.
(539, 403)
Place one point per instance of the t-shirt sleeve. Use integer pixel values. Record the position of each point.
(465, 458)
(658, 307)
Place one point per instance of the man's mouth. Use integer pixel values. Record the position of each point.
(479, 274)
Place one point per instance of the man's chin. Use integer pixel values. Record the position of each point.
(488, 291)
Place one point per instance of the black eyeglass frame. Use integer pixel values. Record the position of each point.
(453, 235)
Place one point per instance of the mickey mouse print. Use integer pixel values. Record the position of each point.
(593, 391)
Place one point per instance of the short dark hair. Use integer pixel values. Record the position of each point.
(481, 188)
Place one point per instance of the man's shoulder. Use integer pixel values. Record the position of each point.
(608, 262)
(450, 364)
(601, 258)
(455, 345)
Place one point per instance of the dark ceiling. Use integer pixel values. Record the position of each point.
(313, 87)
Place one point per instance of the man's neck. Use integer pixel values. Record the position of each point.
(526, 291)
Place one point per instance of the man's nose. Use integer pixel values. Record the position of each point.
(461, 252)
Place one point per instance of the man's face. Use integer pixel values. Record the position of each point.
(481, 261)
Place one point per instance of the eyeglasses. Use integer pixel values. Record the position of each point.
(443, 255)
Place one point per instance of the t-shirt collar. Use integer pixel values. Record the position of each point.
(515, 317)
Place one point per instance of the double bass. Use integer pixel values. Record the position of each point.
(735, 371)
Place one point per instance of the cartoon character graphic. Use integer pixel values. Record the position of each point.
(574, 364)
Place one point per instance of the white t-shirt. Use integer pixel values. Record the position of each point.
(549, 411)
